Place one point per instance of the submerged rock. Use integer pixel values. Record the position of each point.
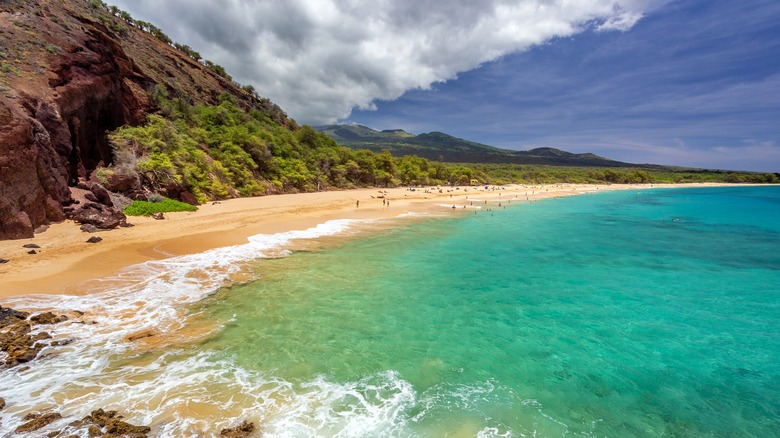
(37, 421)
(16, 339)
(31, 245)
(142, 334)
(245, 429)
(108, 424)
(17, 343)
(48, 318)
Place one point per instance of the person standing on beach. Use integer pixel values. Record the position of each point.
(357, 203)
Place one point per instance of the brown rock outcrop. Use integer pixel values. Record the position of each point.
(122, 183)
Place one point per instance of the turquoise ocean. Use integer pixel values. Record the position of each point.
(640, 313)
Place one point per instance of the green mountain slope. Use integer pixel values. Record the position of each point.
(443, 147)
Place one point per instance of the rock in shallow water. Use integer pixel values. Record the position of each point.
(48, 318)
(37, 421)
(102, 423)
(16, 339)
(244, 430)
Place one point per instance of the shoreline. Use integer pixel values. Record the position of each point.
(66, 261)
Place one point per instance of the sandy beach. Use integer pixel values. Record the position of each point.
(65, 260)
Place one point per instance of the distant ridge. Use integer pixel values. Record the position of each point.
(439, 146)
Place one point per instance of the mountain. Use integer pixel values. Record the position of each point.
(443, 147)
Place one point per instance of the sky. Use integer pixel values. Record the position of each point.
(678, 82)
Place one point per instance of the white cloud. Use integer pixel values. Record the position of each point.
(623, 22)
(319, 59)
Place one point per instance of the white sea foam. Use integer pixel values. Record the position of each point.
(461, 206)
(493, 432)
(373, 406)
(409, 214)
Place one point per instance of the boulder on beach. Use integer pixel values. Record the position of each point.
(101, 216)
(89, 228)
(101, 194)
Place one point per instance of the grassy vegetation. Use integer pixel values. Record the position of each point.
(144, 208)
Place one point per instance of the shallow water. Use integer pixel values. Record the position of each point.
(642, 313)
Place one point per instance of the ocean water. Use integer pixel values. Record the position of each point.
(644, 313)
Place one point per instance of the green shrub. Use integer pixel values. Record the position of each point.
(103, 174)
(144, 208)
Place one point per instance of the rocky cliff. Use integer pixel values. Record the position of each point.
(69, 72)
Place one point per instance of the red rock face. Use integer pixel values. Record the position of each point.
(33, 186)
(53, 133)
